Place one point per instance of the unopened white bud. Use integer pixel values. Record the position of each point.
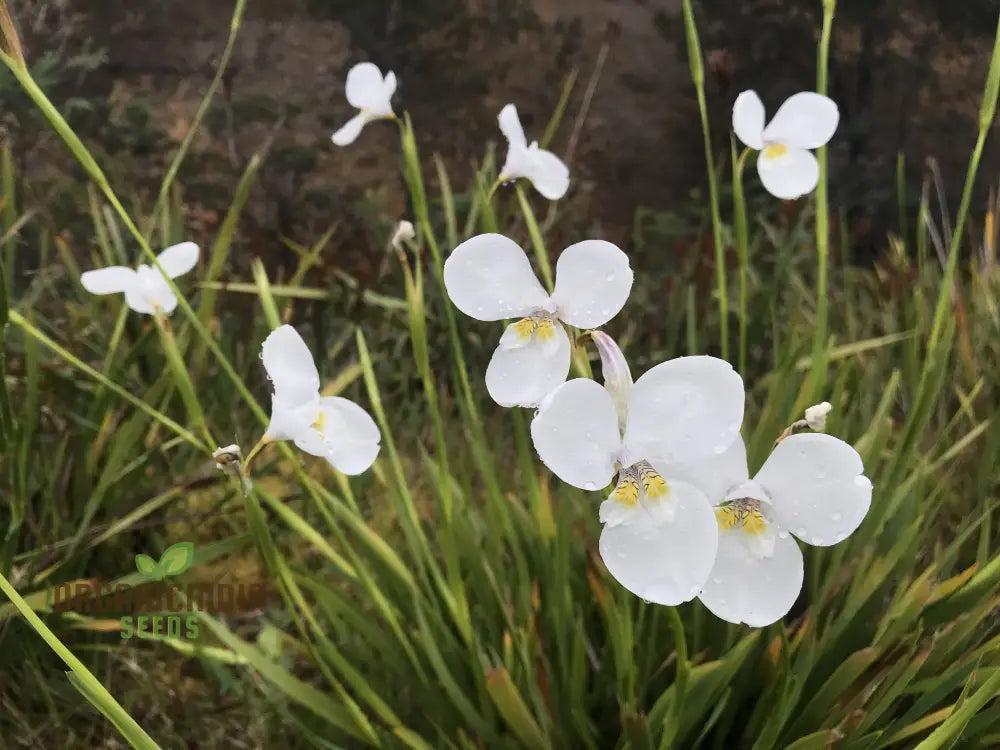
(228, 459)
(816, 416)
(404, 233)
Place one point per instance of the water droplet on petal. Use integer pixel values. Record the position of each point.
(589, 486)
(609, 277)
(621, 555)
(782, 534)
(816, 541)
(716, 580)
(800, 532)
(694, 590)
(821, 476)
(720, 449)
(834, 516)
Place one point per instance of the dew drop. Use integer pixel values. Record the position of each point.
(589, 486)
(722, 602)
(720, 449)
(694, 590)
(716, 580)
(609, 277)
(782, 534)
(800, 532)
(834, 516)
(605, 311)
(821, 476)
(621, 555)
(817, 541)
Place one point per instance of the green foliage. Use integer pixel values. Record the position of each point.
(453, 596)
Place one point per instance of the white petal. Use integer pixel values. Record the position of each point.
(349, 132)
(109, 280)
(793, 174)
(593, 280)
(685, 409)
(744, 587)
(715, 476)
(289, 365)
(351, 435)
(365, 87)
(664, 561)
(138, 300)
(548, 173)
(575, 433)
(524, 375)
(817, 487)
(178, 259)
(292, 418)
(488, 277)
(748, 119)
(389, 85)
(805, 120)
(510, 126)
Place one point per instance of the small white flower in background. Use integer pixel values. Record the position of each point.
(146, 290)
(540, 167)
(369, 92)
(488, 277)
(331, 427)
(660, 534)
(786, 166)
(816, 416)
(812, 486)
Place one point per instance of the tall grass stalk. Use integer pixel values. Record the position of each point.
(819, 351)
(697, 67)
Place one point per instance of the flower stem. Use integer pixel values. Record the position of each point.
(536, 238)
(742, 246)
(672, 723)
(698, 76)
(819, 353)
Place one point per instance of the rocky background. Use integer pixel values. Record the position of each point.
(907, 74)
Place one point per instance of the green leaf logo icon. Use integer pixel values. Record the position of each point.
(146, 565)
(175, 560)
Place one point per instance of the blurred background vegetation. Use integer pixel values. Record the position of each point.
(493, 624)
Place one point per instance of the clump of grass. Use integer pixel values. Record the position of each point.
(453, 597)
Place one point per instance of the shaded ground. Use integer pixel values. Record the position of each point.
(907, 74)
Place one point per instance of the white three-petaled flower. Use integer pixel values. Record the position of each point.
(660, 534)
(332, 427)
(541, 168)
(812, 485)
(146, 290)
(489, 277)
(805, 121)
(367, 91)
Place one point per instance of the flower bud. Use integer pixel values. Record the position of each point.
(617, 376)
(816, 416)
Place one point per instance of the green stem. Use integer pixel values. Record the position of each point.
(742, 245)
(819, 353)
(16, 319)
(84, 678)
(536, 238)
(698, 76)
(672, 723)
(181, 376)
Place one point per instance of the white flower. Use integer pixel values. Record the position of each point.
(368, 92)
(660, 535)
(332, 427)
(541, 168)
(489, 277)
(812, 485)
(805, 121)
(146, 290)
(816, 416)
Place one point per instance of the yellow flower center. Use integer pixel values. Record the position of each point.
(318, 424)
(775, 150)
(639, 479)
(744, 513)
(541, 327)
